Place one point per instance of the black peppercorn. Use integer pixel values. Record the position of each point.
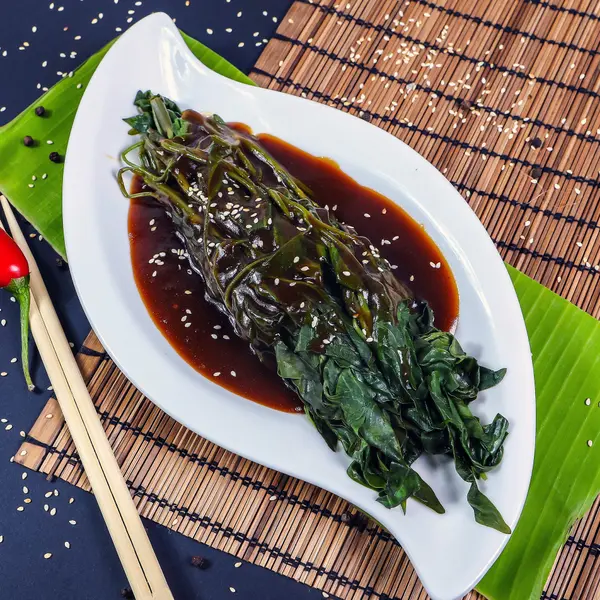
(536, 143)
(28, 140)
(54, 157)
(127, 593)
(536, 172)
(40, 111)
(200, 562)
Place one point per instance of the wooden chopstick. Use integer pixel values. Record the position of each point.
(131, 541)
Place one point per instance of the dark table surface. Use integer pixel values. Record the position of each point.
(90, 568)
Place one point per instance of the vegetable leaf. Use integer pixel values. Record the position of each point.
(372, 370)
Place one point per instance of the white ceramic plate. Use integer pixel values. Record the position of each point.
(450, 552)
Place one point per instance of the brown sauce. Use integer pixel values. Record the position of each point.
(203, 337)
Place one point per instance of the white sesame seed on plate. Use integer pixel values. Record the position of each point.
(53, 512)
(588, 401)
(590, 443)
(48, 494)
(23, 476)
(232, 590)
(48, 555)
(216, 373)
(72, 522)
(8, 427)
(233, 374)
(25, 490)
(67, 545)
(20, 509)
(1, 538)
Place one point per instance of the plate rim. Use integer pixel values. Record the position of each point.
(165, 21)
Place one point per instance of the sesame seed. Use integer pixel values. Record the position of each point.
(233, 374)
(48, 555)
(53, 512)
(232, 590)
(20, 509)
(72, 522)
(209, 31)
(67, 545)
(25, 490)
(590, 443)
(216, 373)
(588, 401)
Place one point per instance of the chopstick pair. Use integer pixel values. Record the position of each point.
(131, 541)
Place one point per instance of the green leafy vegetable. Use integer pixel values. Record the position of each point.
(310, 294)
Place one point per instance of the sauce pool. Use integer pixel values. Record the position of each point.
(203, 337)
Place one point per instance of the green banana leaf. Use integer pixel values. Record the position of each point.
(565, 344)
(28, 178)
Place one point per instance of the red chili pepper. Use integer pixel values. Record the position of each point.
(14, 277)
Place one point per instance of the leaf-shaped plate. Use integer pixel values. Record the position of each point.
(450, 552)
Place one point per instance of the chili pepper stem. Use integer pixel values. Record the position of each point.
(20, 290)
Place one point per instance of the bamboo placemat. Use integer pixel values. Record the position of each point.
(503, 99)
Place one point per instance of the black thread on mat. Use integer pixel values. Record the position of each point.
(545, 257)
(556, 215)
(593, 549)
(263, 547)
(594, 183)
(91, 352)
(431, 46)
(571, 11)
(451, 98)
(72, 458)
(213, 466)
(453, 13)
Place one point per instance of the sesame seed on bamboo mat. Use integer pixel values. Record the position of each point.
(502, 97)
